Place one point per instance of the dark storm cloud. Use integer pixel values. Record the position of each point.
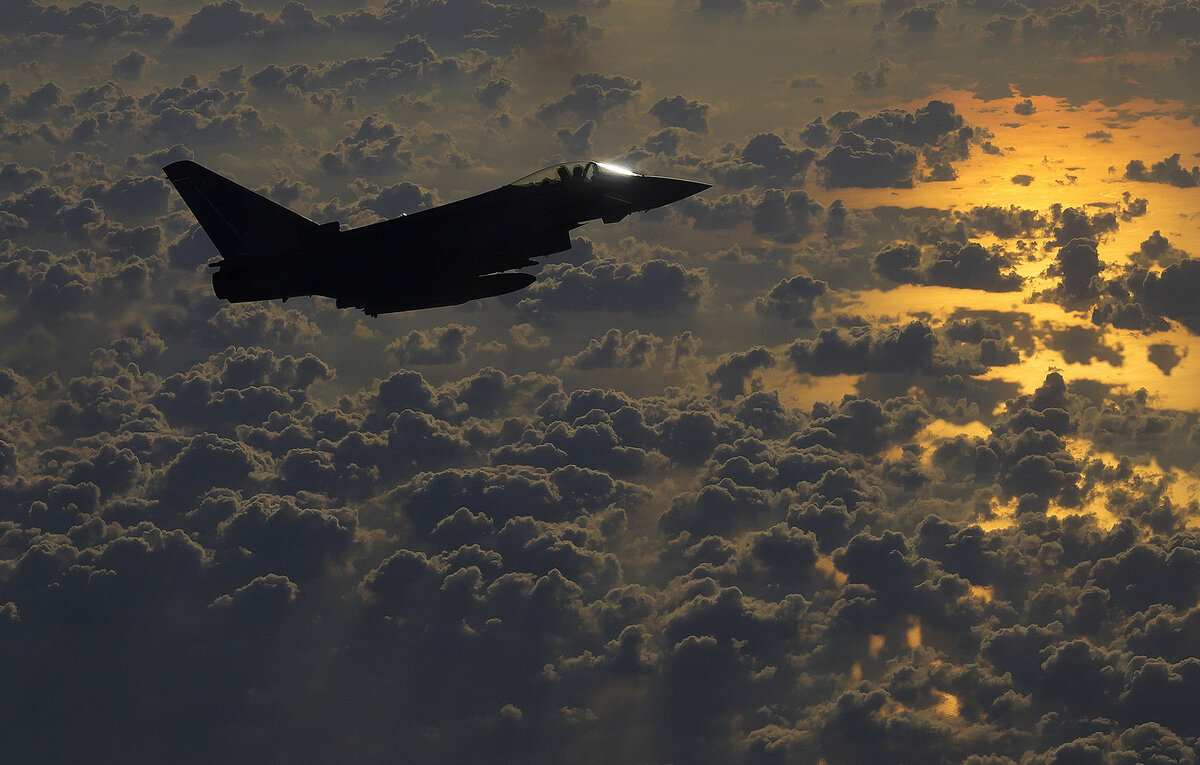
(532, 546)
(656, 287)
(615, 350)
(14, 178)
(471, 24)
(239, 385)
(729, 377)
(88, 21)
(705, 572)
(786, 218)
(194, 113)
(1073, 223)
(792, 299)
(884, 149)
(247, 324)
(927, 126)
(491, 93)
(1077, 264)
(899, 263)
(1157, 250)
(222, 22)
(440, 345)
(677, 111)
(857, 161)
(1165, 171)
(816, 133)
(374, 146)
(1140, 299)
(577, 142)
(590, 97)
(131, 65)
(835, 351)
(130, 197)
(409, 68)
(49, 209)
(1024, 108)
(968, 266)
(725, 211)
(1006, 223)
(553, 495)
(766, 159)
(920, 19)
(396, 200)
(867, 79)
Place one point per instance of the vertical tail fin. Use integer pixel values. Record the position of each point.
(242, 224)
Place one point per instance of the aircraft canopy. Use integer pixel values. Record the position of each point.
(573, 170)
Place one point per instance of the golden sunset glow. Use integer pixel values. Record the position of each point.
(842, 408)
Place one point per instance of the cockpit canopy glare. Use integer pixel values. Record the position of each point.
(563, 172)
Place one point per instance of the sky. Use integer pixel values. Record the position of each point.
(882, 449)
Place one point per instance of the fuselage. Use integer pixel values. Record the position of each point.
(447, 254)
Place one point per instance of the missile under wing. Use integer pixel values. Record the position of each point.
(445, 255)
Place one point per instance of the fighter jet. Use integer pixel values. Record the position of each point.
(445, 255)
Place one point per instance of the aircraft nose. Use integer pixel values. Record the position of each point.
(659, 191)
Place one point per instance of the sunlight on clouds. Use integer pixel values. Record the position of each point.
(947, 704)
(738, 479)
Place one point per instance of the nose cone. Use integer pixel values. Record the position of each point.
(656, 191)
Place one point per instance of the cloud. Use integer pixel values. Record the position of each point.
(786, 218)
(1164, 356)
(677, 111)
(1166, 171)
(631, 350)
(623, 498)
(220, 22)
(440, 345)
(577, 142)
(729, 377)
(920, 19)
(856, 351)
(856, 161)
(792, 299)
(397, 199)
(374, 146)
(98, 22)
(652, 288)
(590, 97)
(766, 159)
(1078, 265)
(131, 65)
(1141, 298)
(967, 266)
(493, 92)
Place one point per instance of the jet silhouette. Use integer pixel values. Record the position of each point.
(445, 255)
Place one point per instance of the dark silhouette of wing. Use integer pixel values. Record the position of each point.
(241, 223)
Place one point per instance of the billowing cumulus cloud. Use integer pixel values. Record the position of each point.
(677, 111)
(968, 266)
(591, 96)
(440, 345)
(880, 450)
(1168, 170)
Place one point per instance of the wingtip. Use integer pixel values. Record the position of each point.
(179, 168)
